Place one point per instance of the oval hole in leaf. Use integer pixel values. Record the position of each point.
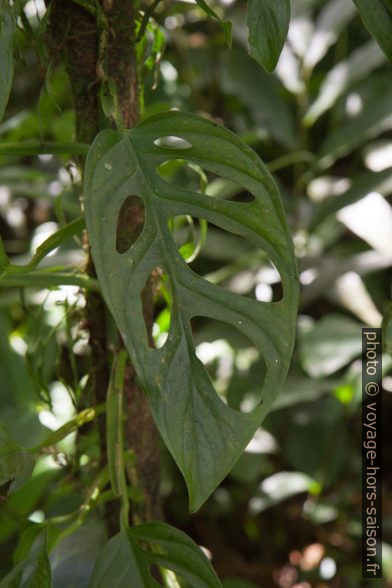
(156, 574)
(252, 273)
(181, 173)
(232, 361)
(130, 223)
(156, 304)
(189, 176)
(172, 142)
(189, 234)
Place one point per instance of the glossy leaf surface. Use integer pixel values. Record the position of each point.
(204, 435)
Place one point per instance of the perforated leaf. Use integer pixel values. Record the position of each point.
(126, 559)
(204, 435)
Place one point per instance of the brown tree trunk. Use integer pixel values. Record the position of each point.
(74, 38)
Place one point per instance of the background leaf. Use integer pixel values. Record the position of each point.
(187, 410)
(268, 22)
(7, 34)
(377, 18)
(16, 464)
(127, 559)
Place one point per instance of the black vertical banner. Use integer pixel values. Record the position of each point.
(371, 453)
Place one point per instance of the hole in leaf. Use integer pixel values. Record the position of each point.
(182, 174)
(130, 223)
(156, 574)
(189, 176)
(189, 234)
(235, 366)
(233, 263)
(172, 142)
(156, 305)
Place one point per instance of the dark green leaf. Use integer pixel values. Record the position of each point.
(127, 558)
(268, 22)
(377, 17)
(7, 34)
(204, 435)
(32, 572)
(16, 464)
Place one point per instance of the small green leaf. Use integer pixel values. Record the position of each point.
(126, 559)
(268, 22)
(226, 25)
(16, 464)
(7, 34)
(204, 435)
(377, 17)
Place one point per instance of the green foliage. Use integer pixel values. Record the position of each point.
(185, 407)
(7, 36)
(377, 17)
(16, 464)
(213, 224)
(268, 22)
(136, 550)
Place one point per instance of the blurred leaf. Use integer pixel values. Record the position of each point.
(279, 487)
(134, 552)
(7, 34)
(268, 22)
(338, 79)
(329, 344)
(371, 219)
(130, 160)
(33, 572)
(226, 25)
(365, 123)
(16, 464)
(377, 17)
(261, 93)
(332, 19)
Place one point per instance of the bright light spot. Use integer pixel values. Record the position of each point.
(353, 295)
(84, 460)
(169, 72)
(15, 217)
(371, 219)
(308, 276)
(5, 195)
(171, 23)
(38, 516)
(324, 186)
(262, 442)
(354, 104)
(379, 156)
(55, 188)
(42, 233)
(387, 383)
(45, 158)
(327, 568)
(268, 275)
(18, 344)
(47, 419)
(208, 352)
(206, 552)
(64, 176)
(63, 408)
(263, 292)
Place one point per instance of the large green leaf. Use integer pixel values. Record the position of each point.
(204, 435)
(377, 17)
(268, 22)
(126, 559)
(7, 33)
(16, 464)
